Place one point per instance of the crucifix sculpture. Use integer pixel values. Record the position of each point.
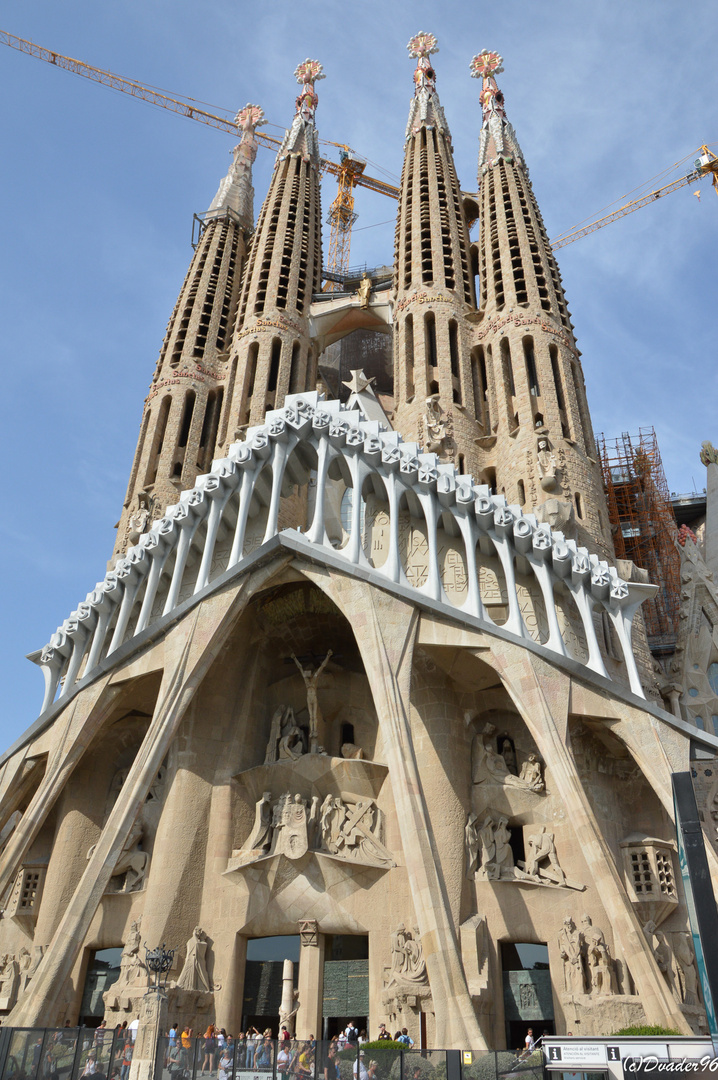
(311, 680)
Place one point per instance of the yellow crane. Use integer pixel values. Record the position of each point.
(349, 171)
(706, 164)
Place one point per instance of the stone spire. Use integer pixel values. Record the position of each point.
(182, 411)
(271, 353)
(537, 446)
(236, 192)
(498, 138)
(433, 389)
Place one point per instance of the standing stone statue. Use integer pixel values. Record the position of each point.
(9, 981)
(471, 837)
(683, 952)
(132, 968)
(311, 679)
(600, 968)
(504, 854)
(194, 973)
(488, 871)
(570, 948)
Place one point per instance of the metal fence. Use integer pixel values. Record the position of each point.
(106, 1054)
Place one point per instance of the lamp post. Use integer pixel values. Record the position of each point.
(158, 962)
(153, 1013)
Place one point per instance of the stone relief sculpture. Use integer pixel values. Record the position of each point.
(286, 738)
(406, 981)
(471, 839)
(531, 773)
(663, 953)
(488, 766)
(132, 864)
(311, 680)
(9, 981)
(688, 976)
(141, 518)
(490, 857)
(354, 830)
(133, 972)
(546, 464)
(436, 426)
(350, 829)
(194, 972)
(600, 968)
(570, 943)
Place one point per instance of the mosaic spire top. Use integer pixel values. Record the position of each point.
(498, 138)
(425, 108)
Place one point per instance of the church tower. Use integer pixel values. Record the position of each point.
(272, 356)
(434, 286)
(182, 410)
(538, 448)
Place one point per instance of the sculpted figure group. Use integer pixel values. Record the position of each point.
(677, 963)
(588, 967)
(490, 766)
(489, 856)
(347, 829)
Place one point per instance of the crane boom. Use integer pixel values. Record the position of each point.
(706, 165)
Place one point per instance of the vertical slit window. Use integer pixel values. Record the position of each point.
(158, 440)
(454, 357)
(295, 377)
(507, 372)
(186, 418)
(560, 397)
(409, 353)
(430, 336)
(521, 492)
(274, 365)
(531, 373)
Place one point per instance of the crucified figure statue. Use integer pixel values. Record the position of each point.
(311, 679)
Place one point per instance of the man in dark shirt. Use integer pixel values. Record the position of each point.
(383, 1033)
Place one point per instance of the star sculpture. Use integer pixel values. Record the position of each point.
(486, 64)
(358, 381)
(422, 45)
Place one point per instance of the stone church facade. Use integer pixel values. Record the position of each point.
(364, 673)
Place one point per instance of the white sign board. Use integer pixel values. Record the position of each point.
(575, 1053)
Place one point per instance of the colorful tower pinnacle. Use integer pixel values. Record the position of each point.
(433, 388)
(538, 447)
(272, 355)
(182, 411)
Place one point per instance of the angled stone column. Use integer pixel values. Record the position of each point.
(189, 650)
(542, 695)
(385, 630)
(84, 717)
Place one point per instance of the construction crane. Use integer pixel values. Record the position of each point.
(349, 172)
(350, 169)
(706, 164)
(341, 217)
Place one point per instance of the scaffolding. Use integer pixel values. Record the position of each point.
(643, 526)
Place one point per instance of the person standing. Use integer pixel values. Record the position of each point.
(383, 1033)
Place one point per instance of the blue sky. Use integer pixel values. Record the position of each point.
(98, 192)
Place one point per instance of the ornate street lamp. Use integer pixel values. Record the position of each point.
(158, 962)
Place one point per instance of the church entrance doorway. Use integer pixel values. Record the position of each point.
(528, 1000)
(346, 983)
(263, 980)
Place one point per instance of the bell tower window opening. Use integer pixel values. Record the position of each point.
(531, 373)
(186, 418)
(454, 357)
(560, 397)
(430, 339)
(210, 426)
(409, 355)
(274, 366)
(158, 440)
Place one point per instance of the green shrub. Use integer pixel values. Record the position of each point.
(646, 1030)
